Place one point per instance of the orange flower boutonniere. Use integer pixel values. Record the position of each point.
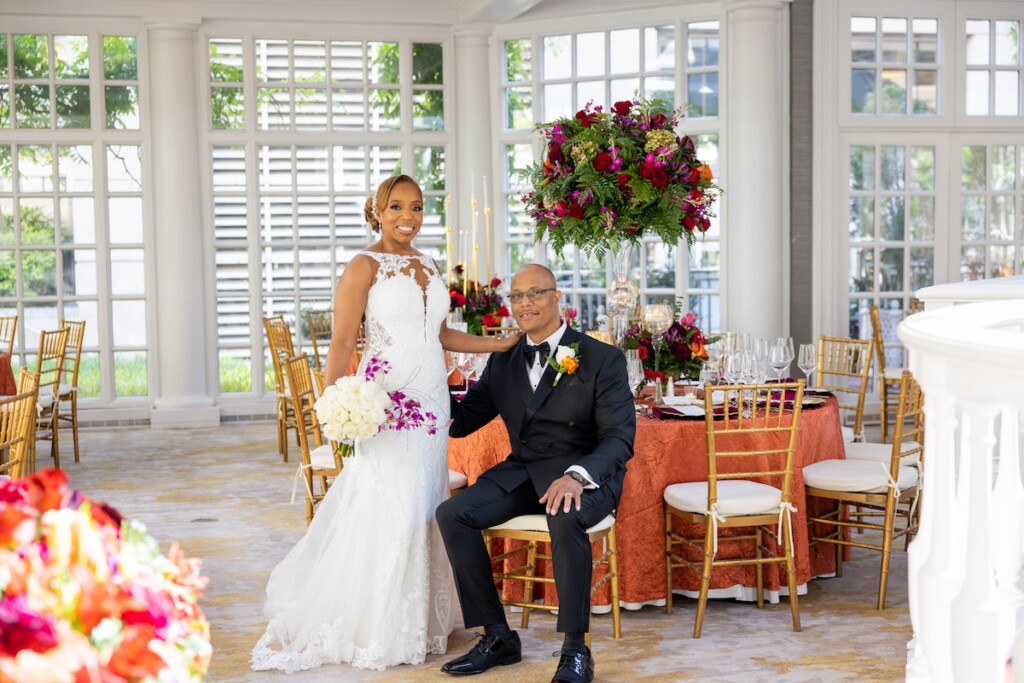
(565, 361)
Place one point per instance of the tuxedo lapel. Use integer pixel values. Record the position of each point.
(520, 373)
(547, 380)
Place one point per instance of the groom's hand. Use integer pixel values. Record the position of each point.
(563, 493)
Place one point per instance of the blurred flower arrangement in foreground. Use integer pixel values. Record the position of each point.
(86, 595)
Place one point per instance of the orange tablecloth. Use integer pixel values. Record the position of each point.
(667, 452)
(8, 386)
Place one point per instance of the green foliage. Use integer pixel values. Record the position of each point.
(37, 267)
(236, 375)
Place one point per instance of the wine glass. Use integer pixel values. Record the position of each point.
(465, 364)
(451, 362)
(787, 346)
(777, 359)
(807, 361)
(657, 318)
(634, 374)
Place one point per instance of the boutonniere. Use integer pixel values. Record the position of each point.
(565, 361)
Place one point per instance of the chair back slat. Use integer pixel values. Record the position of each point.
(844, 365)
(73, 356)
(753, 426)
(281, 346)
(909, 424)
(320, 325)
(17, 428)
(53, 346)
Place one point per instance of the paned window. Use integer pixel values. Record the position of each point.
(71, 203)
(991, 237)
(992, 55)
(287, 216)
(894, 67)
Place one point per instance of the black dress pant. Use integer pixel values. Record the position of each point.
(486, 504)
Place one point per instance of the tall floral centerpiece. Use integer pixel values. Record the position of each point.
(681, 354)
(611, 177)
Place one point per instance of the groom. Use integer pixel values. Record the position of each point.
(570, 444)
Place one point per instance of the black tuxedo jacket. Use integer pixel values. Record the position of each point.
(587, 420)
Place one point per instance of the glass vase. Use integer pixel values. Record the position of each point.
(623, 294)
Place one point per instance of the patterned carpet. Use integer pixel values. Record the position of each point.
(223, 493)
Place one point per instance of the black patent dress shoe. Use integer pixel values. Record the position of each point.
(490, 651)
(574, 666)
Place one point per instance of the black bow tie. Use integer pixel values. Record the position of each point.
(531, 352)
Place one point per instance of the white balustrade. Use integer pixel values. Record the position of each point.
(964, 566)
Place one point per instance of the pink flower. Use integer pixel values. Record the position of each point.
(21, 628)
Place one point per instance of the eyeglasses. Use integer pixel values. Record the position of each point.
(532, 295)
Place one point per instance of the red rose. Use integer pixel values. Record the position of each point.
(689, 222)
(642, 352)
(695, 176)
(555, 155)
(646, 171)
(503, 312)
(489, 320)
(560, 207)
(458, 301)
(623, 180)
(705, 224)
(602, 161)
(659, 178)
(622, 108)
(495, 281)
(658, 121)
(586, 118)
(633, 229)
(575, 211)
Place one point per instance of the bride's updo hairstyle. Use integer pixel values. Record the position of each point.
(380, 199)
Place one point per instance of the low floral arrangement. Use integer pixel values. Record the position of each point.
(609, 177)
(86, 595)
(481, 305)
(683, 349)
(357, 407)
(570, 315)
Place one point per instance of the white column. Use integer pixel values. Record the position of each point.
(756, 252)
(473, 141)
(183, 399)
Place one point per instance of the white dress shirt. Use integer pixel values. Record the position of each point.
(537, 370)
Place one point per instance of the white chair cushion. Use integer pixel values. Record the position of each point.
(881, 452)
(456, 480)
(322, 458)
(45, 401)
(848, 435)
(893, 373)
(735, 497)
(856, 476)
(540, 523)
(64, 390)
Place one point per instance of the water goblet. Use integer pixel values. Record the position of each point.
(657, 318)
(807, 361)
(777, 359)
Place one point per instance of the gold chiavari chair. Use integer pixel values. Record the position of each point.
(69, 387)
(48, 371)
(886, 489)
(8, 329)
(279, 342)
(498, 331)
(915, 305)
(17, 427)
(888, 378)
(533, 529)
(319, 323)
(601, 336)
(319, 459)
(844, 366)
(744, 488)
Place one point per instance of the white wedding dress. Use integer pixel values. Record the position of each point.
(369, 583)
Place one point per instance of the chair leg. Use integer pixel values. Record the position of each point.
(531, 571)
(613, 567)
(758, 568)
(839, 537)
(55, 437)
(883, 576)
(705, 579)
(794, 602)
(74, 421)
(668, 561)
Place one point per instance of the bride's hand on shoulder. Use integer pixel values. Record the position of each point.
(503, 344)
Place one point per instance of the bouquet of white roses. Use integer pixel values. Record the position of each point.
(357, 407)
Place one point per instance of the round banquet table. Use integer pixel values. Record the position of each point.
(667, 452)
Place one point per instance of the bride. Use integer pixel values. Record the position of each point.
(369, 583)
